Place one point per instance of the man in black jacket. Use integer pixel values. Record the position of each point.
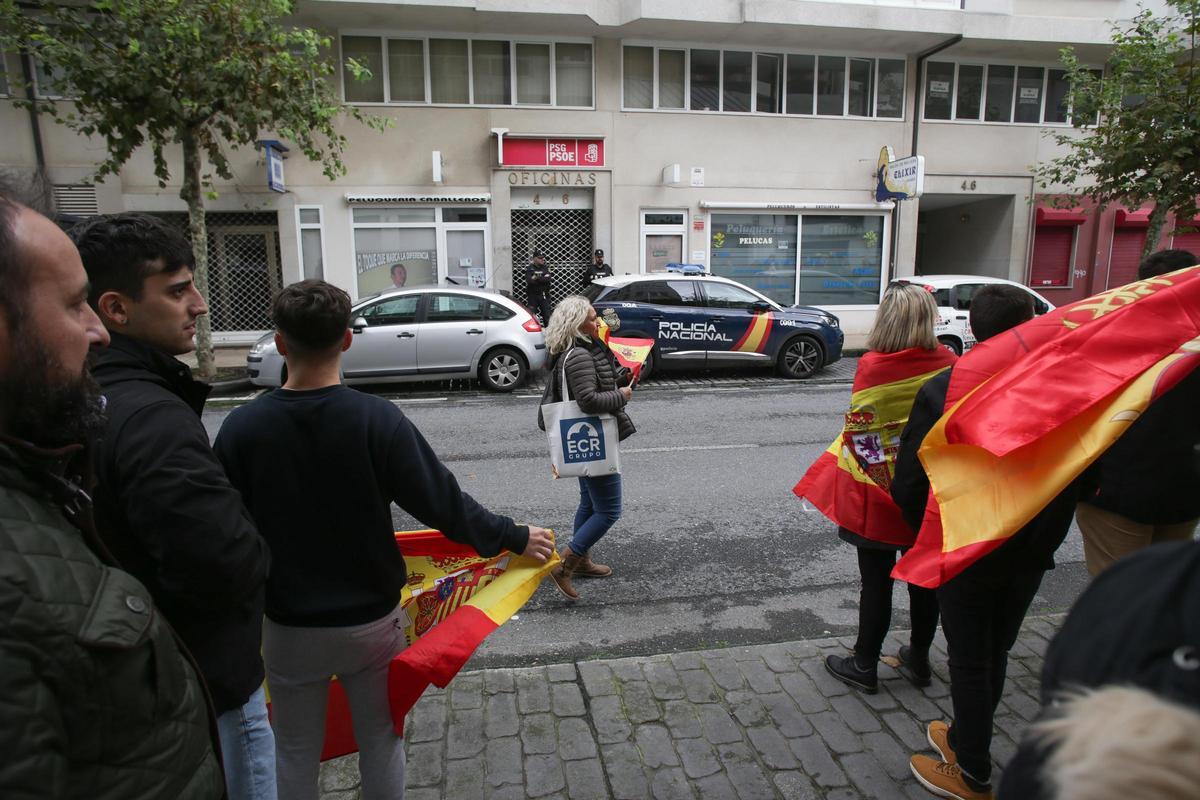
(537, 281)
(1149, 486)
(320, 465)
(983, 607)
(163, 503)
(98, 700)
(598, 269)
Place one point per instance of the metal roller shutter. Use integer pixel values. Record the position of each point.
(1052, 255)
(1126, 255)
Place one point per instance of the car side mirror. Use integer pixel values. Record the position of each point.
(358, 324)
(1040, 308)
(760, 307)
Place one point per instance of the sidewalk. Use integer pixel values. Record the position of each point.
(742, 723)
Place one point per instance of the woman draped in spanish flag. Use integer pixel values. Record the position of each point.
(849, 483)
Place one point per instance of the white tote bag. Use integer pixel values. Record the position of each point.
(581, 444)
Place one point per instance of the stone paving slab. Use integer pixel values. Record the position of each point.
(743, 723)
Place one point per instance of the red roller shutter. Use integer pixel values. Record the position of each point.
(1052, 255)
(1126, 255)
(1188, 240)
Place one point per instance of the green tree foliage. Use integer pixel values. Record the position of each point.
(1145, 147)
(207, 75)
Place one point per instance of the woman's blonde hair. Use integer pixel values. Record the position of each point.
(1121, 742)
(905, 319)
(563, 329)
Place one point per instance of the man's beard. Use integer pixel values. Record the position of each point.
(46, 411)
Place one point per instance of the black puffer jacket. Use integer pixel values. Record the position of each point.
(97, 700)
(166, 510)
(593, 378)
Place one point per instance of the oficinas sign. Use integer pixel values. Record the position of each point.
(553, 153)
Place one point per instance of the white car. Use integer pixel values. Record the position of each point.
(428, 333)
(953, 294)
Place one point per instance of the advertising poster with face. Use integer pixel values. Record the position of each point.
(389, 258)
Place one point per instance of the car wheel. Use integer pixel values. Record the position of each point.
(951, 344)
(648, 367)
(502, 369)
(800, 357)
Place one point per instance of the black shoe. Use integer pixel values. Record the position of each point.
(847, 670)
(913, 668)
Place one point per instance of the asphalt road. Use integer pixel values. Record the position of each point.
(713, 549)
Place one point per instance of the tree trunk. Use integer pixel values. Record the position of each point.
(192, 195)
(1157, 217)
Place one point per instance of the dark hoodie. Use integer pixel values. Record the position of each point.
(170, 516)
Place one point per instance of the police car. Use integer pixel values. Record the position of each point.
(709, 321)
(953, 295)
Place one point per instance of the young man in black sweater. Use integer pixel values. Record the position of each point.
(319, 465)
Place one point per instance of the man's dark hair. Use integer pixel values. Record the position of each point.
(120, 251)
(997, 307)
(14, 278)
(312, 316)
(1165, 261)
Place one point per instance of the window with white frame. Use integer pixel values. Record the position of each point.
(1020, 94)
(420, 245)
(672, 78)
(664, 238)
(310, 235)
(443, 70)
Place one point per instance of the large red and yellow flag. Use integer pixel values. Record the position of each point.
(1029, 409)
(453, 599)
(850, 482)
(630, 353)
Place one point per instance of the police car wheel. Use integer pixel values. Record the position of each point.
(951, 344)
(648, 366)
(800, 357)
(502, 370)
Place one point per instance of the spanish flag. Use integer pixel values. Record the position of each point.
(630, 353)
(850, 481)
(453, 599)
(1029, 409)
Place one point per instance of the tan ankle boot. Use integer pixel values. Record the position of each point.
(564, 571)
(590, 569)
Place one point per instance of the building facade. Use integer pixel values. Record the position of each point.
(742, 135)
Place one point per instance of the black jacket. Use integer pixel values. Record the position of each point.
(97, 699)
(1032, 547)
(537, 278)
(319, 470)
(593, 379)
(169, 515)
(596, 271)
(1150, 474)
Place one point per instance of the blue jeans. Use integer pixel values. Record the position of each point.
(599, 509)
(248, 750)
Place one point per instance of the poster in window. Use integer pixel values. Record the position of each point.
(389, 258)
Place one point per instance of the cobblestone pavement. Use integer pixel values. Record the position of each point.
(741, 723)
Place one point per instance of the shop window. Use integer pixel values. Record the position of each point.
(969, 94)
(491, 71)
(312, 241)
(664, 239)
(998, 103)
(419, 245)
(767, 98)
(671, 78)
(706, 80)
(1029, 94)
(831, 85)
(1052, 246)
(801, 80)
(861, 88)
(448, 71)
(406, 70)
(890, 95)
(736, 69)
(573, 74)
(841, 259)
(939, 79)
(533, 74)
(366, 50)
(758, 250)
(639, 77)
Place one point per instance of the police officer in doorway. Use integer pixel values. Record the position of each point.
(537, 279)
(598, 269)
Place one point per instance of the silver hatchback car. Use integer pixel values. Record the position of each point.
(428, 333)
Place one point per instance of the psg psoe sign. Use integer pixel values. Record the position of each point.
(899, 179)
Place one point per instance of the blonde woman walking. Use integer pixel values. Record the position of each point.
(599, 386)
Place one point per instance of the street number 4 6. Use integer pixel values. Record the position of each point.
(968, 186)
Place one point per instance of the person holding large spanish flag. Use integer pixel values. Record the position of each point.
(849, 482)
